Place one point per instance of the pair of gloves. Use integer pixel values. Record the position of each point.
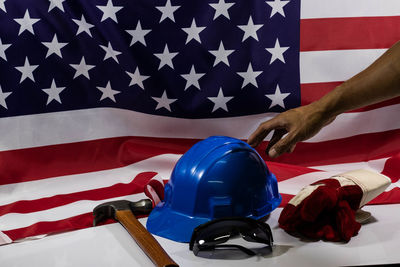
(327, 209)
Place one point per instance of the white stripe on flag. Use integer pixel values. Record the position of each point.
(335, 65)
(350, 124)
(91, 124)
(4, 239)
(348, 8)
(393, 185)
(376, 165)
(97, 123)
(294, 185)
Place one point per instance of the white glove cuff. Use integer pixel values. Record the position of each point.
(371, 183)
(305, 192)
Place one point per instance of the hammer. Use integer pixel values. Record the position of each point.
(123, 211)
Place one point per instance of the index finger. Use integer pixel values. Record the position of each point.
(263, 130)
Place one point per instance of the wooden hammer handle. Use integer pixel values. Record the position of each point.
(144, 239)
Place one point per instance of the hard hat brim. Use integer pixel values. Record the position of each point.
(167, 223)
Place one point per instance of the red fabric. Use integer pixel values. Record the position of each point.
(327, 213)
(158, 188)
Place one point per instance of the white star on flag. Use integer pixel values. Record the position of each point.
(249, 76)
(221, 8)
(220, 101)
(53, 92)
(82, 68)
(277, 7)
(138, 34)
(250, 30)
(27, 70)
(3, 48)
(108, 92)
(164, 101)
(167, 11)
(193, 32)
(137, 78)
(192, 78)
(277, 98)
(54, 47)
(166, 57)
(26, 23)
(56, 3)
(3, 96)
(277, 52)
(2, 6)
(83, 26)
(110, 52)
(109, 11)
(221, 55)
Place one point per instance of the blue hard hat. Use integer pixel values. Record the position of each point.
(217, 177)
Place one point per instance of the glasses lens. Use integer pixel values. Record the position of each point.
(260, 233)
(257, 235)
(215, 234)
(210, 235)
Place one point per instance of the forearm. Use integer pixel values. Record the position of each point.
(379, 82)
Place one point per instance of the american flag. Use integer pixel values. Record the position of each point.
(98, 97)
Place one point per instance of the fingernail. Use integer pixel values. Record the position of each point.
(272, 153)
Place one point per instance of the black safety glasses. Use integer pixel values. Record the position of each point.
(211, 235)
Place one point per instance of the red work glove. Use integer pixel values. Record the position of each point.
(326, 209)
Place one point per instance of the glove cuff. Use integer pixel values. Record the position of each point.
(371, 183)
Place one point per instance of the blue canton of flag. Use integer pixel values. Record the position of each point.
(190, 59)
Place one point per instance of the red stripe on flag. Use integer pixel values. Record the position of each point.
(102, 154)
(339, 33)
(285, 171)
(285, 199)
(346, 150)
(117, 190)
(74, 223)
(82, 157)
(40, 228)
(391, 197)
(314, 91)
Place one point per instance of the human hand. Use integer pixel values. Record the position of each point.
(297, 124)
(326, 209)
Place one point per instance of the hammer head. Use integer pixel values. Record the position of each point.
(108, 209)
